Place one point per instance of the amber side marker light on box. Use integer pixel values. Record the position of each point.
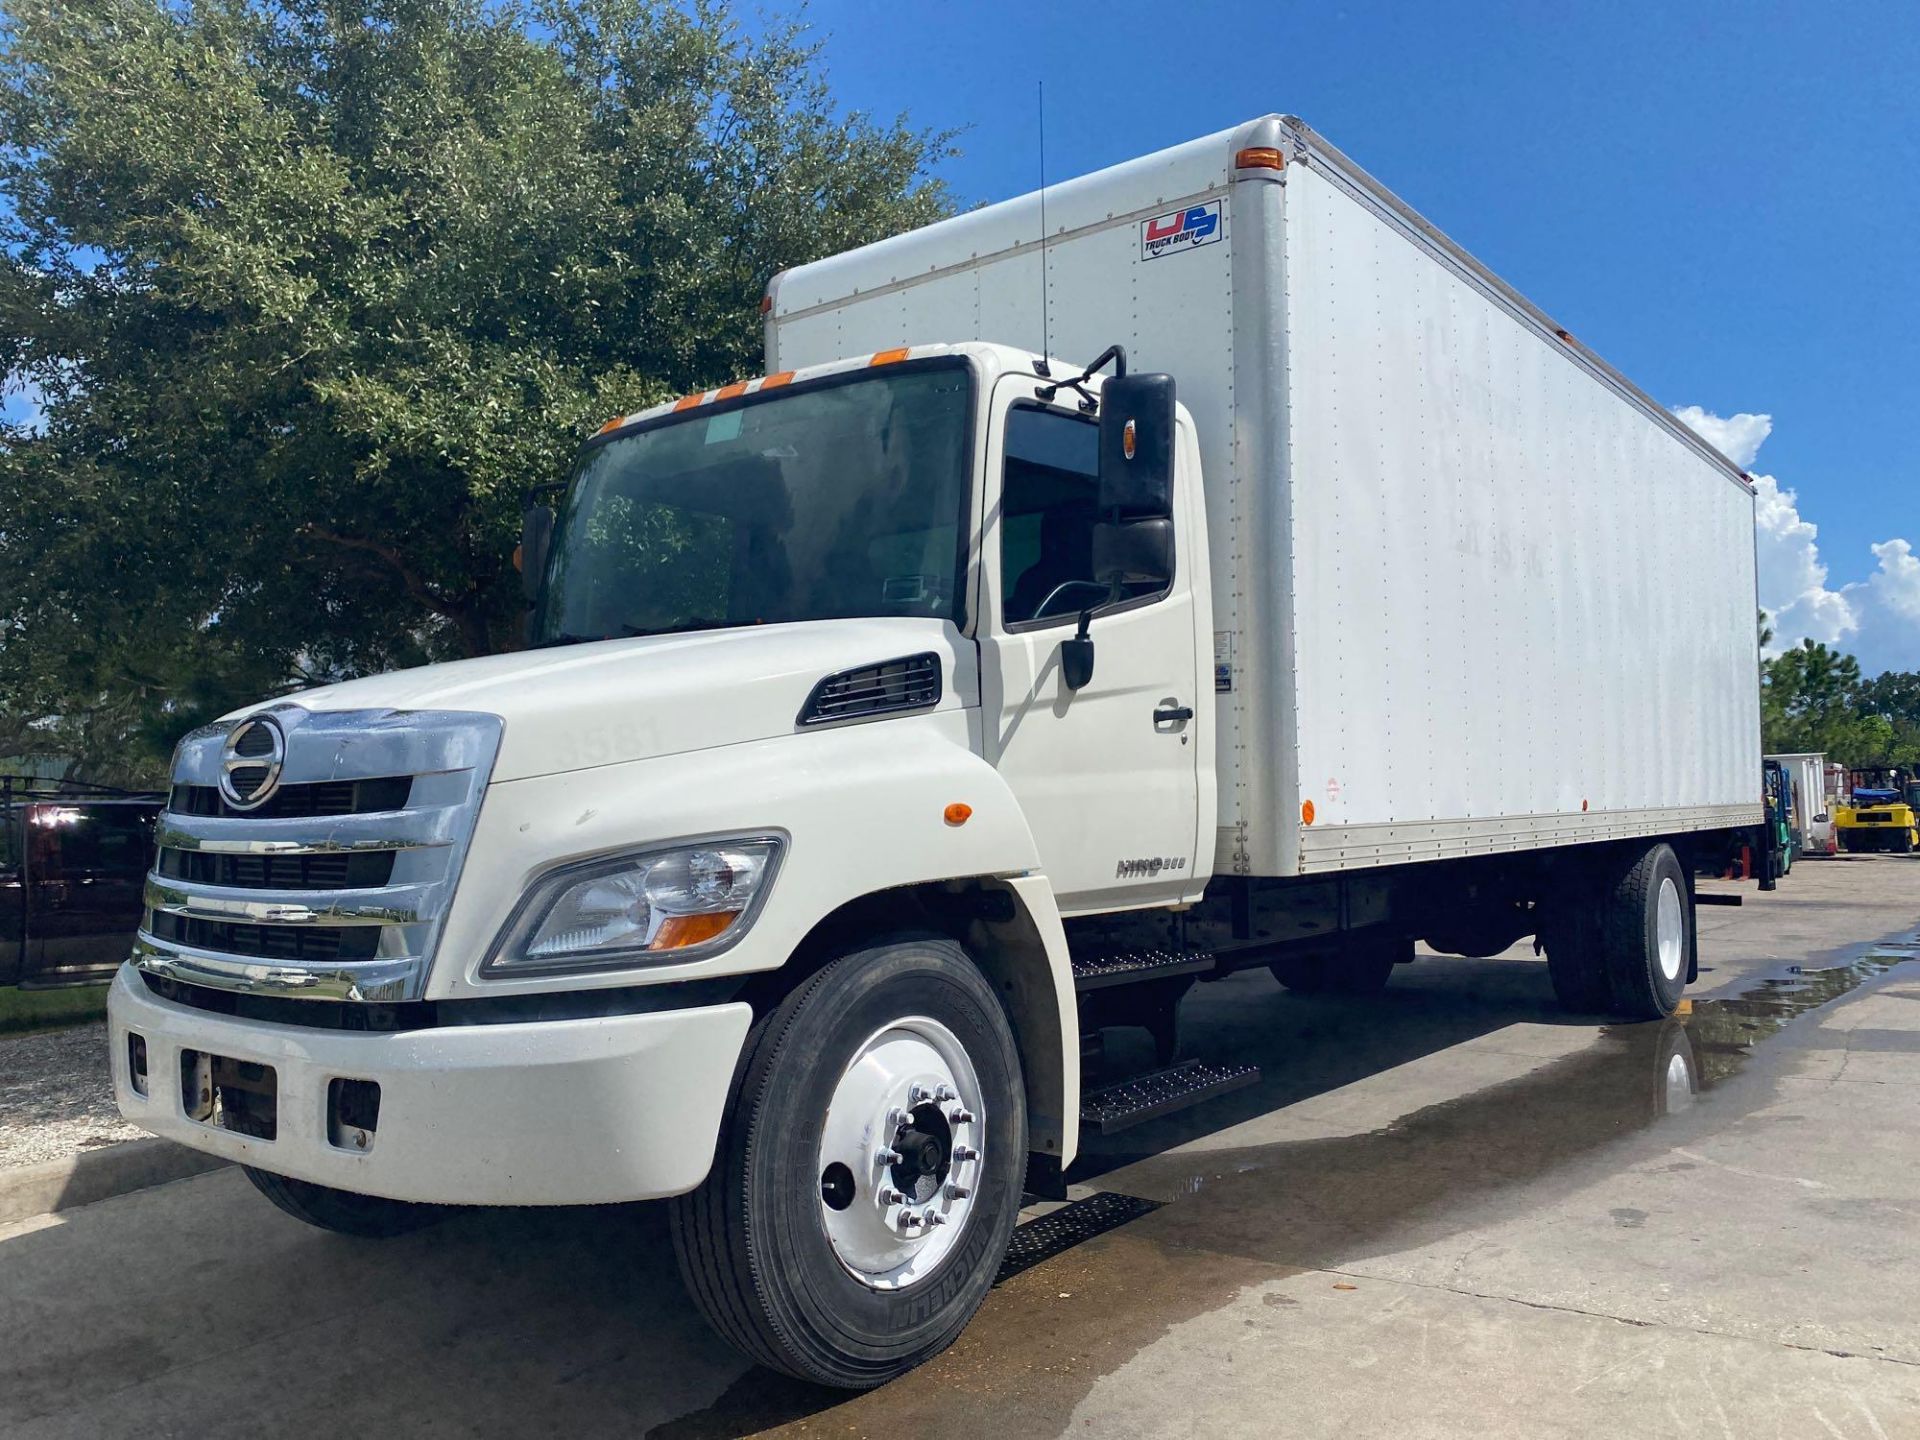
(957, 813)
(1260, 157)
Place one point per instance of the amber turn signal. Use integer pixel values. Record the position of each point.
(958, 813)
(676, 932)
(1260, 157)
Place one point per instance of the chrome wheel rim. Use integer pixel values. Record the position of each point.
(899, 1157)
(1669, 929)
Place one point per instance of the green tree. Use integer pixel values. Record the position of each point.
(1895, 698)
(1807, 702)
(314, 289)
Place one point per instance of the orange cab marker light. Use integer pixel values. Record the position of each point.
(958, 813)
(890, 357)
(677, 932)
(727, 392)
(1260, 157)
(774, 382)
(687, 402)
(614, 424)
(1306, 812)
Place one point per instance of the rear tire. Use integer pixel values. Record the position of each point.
(1646, 927)
(1575, 962)
(791, 1247)
(345, 1212)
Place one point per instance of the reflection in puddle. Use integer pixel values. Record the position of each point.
(1323, 1201)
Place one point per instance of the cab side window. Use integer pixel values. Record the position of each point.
(1047, 512)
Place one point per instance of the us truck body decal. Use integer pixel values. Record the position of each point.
(1180, 230)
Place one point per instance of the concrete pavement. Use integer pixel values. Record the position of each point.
(1446, 1211)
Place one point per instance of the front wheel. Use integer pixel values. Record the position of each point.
(869, 1169)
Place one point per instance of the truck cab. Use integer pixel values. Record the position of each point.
(898, 658)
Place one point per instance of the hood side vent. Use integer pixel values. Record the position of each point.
(889, 688)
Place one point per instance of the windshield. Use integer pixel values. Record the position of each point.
(847, 498)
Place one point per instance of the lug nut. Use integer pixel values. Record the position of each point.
(945, 1093)
(958, 1192)
(960, 1117)
(965, 1152)
(891, 1196)
(910, 1218)
(919, 1095)
(887, 1157)
(896, 1117)
(934, 1217)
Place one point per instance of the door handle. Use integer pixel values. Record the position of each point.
(1172, 714)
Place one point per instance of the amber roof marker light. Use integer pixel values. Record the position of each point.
(1260, 157)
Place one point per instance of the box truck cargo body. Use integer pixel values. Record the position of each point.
(1806, 772)
(1228, 573)
(1472, 590)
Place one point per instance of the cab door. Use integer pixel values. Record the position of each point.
(1108, 775)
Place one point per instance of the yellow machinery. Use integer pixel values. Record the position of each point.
(1882, 813)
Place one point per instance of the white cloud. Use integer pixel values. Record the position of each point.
(1793, 578)
(1877, 618)
(1738, 437)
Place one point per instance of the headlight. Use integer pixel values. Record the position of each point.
(652, 906)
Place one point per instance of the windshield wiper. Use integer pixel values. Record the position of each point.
(565, 639)
(680, 628)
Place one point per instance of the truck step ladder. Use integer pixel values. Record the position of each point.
(1147, 1097)
(1129, 967)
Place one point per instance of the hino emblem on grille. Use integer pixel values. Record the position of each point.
(251, 761)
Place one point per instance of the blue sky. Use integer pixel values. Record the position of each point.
(1724, 200)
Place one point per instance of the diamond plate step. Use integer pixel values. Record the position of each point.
(1126, 967)
(1147, 1097)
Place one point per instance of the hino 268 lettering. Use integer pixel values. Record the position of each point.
(896, 719)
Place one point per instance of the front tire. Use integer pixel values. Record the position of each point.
(345, 1212)
(807, 1247)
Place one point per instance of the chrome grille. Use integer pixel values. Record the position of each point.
(337, 886)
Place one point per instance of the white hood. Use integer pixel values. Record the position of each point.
(577, 706)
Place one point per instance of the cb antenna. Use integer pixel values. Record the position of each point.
(1046, 336)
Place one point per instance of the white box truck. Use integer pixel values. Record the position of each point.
(897, 720)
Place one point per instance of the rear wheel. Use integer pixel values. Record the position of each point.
(1646, 926)
(370, 1217)
(869, 1171)
(1575, 962)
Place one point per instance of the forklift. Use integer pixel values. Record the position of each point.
(1882, 811)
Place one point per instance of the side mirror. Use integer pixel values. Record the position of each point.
(536, 539)
(1136, 447)
(1822, 818)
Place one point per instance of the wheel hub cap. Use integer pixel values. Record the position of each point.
(1669, 929)
(900, 1153)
